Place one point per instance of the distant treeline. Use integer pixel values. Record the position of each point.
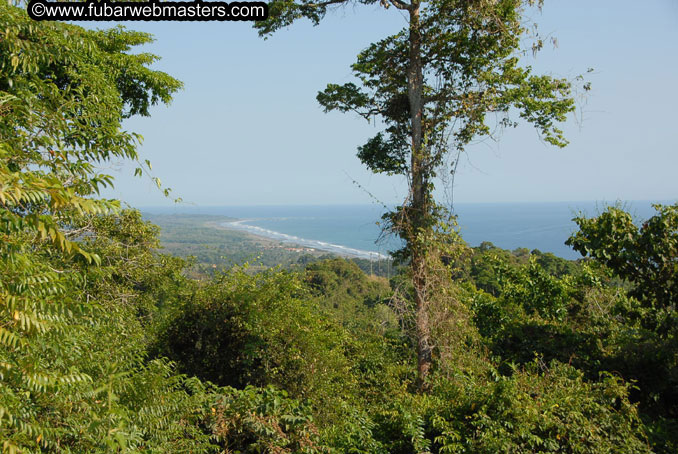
(201, 237)
(213, 247)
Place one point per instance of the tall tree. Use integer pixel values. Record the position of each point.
(432, 85)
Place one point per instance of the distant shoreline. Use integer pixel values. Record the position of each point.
(542, 226)
(296, 244)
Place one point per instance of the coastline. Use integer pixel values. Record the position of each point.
(293, 243)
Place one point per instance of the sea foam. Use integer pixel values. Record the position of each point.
(291, 239)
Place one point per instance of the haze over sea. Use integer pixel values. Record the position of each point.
(353, 229)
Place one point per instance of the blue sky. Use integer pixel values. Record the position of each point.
(246, 129)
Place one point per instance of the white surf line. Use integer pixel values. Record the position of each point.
(315, 244)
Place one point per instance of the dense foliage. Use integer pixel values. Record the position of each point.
(63, 94)
(107, 345)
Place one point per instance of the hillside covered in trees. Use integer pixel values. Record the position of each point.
(108, 345)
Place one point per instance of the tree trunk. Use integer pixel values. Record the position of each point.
(418, 211)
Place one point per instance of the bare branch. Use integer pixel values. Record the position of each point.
(401, 5)
(323, 4)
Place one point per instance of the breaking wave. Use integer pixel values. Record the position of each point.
(291, 239)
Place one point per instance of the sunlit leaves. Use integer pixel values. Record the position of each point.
(64, 91)
(643, 254)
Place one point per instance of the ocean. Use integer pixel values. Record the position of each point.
(353, 230)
